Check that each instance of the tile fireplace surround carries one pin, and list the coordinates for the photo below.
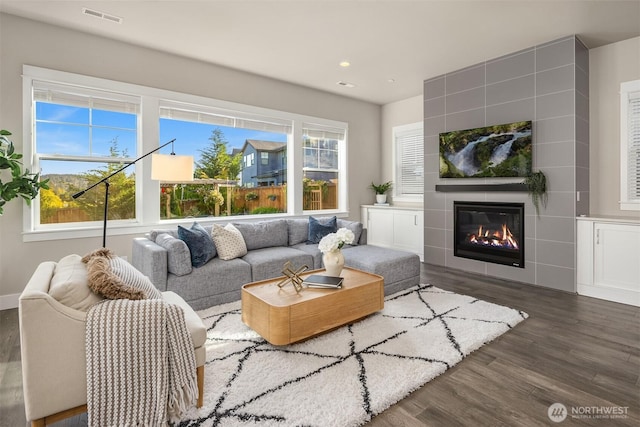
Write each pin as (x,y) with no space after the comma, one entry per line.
(548,84)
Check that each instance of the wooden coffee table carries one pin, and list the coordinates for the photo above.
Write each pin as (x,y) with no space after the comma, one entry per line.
(282,316)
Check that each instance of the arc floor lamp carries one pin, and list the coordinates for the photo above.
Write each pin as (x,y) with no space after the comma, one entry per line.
(164,167)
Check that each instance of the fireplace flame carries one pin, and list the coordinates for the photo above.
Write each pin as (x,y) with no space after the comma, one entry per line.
(498,238)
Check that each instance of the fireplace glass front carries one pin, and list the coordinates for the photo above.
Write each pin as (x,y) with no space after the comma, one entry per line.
(491,232)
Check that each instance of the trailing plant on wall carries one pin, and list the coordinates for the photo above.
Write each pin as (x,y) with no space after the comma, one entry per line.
(536,184)
(22,183)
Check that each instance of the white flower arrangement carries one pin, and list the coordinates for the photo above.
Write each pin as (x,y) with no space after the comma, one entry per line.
(334,241)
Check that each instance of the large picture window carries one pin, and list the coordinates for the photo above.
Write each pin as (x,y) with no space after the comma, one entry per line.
(228,181)
(83,128)
(80,137)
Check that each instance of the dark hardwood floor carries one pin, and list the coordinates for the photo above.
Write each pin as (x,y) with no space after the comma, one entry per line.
(578,351)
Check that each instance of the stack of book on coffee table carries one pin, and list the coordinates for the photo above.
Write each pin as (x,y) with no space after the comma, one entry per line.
(321,281)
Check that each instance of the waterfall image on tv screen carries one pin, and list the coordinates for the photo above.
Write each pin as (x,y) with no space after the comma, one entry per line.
(492,151)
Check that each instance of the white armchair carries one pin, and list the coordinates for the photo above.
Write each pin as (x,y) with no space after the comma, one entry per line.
(52,338)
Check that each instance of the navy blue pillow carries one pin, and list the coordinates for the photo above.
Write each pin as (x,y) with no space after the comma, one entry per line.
(199,242)
(320,228)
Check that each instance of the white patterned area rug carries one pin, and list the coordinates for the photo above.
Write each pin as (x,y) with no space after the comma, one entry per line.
(347,376)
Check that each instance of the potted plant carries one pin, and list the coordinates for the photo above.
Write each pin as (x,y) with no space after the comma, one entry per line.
(22,183)
(536,184)
(381,191)
(251,195)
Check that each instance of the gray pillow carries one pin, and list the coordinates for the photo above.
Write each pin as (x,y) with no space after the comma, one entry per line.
(354,226)
(153,234)
(200,244)
(318,228)
(178,255)
(264,234)
(298,230)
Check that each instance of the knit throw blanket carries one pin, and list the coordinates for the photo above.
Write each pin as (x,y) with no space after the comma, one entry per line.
(140,363)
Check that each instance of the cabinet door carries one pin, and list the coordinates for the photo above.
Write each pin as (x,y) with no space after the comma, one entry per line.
(617,256)
(408,231)
(380,227)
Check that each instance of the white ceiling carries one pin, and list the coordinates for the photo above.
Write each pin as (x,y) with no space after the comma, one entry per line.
(303,41)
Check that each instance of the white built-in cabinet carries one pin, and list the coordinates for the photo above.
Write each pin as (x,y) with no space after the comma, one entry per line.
(395,227)
(608,259)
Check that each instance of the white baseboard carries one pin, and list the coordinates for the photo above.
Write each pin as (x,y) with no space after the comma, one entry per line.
(9,301)
(623,296)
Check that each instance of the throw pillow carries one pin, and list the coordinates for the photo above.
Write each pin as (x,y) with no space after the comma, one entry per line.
(70,284)
(178,255)
(298,230)
(114,278)
(229,242)
(354,226)
(199,242)
(153,234)
(318,228)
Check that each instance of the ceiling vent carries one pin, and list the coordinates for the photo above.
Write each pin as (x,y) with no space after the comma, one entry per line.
(102,15)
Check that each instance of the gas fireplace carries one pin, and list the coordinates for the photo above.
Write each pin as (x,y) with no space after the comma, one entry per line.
(491,232)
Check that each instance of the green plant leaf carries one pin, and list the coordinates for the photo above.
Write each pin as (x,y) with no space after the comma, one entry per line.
(23,183)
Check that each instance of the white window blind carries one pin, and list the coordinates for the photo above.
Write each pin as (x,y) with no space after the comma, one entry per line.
(215,116)
(409,143)
(85,98)
(630,145)
(323,132)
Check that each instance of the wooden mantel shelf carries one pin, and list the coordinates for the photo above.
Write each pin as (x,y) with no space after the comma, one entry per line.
(457,188)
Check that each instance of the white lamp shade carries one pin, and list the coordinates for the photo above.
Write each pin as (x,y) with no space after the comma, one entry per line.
(170,167)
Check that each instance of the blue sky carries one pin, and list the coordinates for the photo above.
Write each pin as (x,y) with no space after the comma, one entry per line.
(63,130)
(191,137)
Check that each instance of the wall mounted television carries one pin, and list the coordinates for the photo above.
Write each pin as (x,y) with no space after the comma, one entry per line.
(486,152)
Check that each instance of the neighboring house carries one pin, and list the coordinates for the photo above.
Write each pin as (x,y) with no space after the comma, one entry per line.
(264,163)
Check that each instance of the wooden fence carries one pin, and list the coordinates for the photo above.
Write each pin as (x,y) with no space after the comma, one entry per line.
(273,198)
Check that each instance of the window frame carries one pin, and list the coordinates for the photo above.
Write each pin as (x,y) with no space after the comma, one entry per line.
(147,190)
(396,133)
(627,90)
(132,105)
(319,130)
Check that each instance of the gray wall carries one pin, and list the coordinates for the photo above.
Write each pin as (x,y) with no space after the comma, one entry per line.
(548,84)
(29,42)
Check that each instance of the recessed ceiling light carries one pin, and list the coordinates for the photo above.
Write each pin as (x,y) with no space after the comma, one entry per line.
(345,84)
(345,64)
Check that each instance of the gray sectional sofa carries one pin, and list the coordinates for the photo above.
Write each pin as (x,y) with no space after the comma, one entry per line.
(165,259)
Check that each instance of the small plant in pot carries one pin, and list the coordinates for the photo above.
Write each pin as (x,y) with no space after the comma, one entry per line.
(381,191)
(21,183)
